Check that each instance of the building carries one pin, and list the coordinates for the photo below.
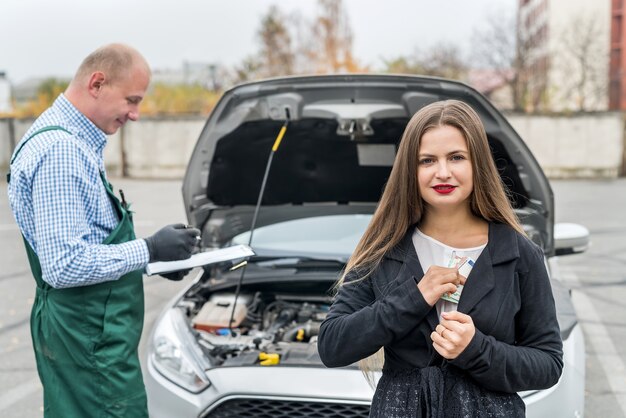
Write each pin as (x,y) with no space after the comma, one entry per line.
(564,49)
(617,64)
(200,73)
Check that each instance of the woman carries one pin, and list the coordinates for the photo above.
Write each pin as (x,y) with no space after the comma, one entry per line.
(444,211)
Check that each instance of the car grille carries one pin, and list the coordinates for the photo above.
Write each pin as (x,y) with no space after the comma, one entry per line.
(272,408)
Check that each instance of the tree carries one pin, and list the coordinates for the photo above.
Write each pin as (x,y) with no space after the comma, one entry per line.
(444,60)
(51,88)
(500,45)
(331,47)
(583,63)
(295,45)
(47,92)
(249,69)
(276,56)
(403,65)
(178,99)
(440,60)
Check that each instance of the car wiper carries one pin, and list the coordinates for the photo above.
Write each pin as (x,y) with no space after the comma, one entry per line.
(297,262)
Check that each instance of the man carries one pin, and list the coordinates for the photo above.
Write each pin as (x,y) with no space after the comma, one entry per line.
(88,311)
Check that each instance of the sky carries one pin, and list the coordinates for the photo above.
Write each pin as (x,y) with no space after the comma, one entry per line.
(44,38)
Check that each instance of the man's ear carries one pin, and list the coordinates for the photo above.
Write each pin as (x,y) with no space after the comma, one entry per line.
(95,83)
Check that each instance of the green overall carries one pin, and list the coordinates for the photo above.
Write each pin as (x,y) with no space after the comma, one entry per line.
(86,338)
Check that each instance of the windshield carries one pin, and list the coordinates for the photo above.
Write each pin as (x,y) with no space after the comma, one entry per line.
(335,234)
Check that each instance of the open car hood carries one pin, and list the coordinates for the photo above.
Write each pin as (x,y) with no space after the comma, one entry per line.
(337,152)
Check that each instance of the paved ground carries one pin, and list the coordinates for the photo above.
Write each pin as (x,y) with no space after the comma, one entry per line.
(598,278)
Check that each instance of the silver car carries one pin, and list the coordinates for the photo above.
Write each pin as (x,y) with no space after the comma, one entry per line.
(241,341)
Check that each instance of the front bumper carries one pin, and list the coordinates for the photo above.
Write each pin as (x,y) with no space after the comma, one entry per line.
(291,386)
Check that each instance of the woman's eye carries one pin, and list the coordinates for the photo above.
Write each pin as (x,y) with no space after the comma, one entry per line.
(458,157)
(426,161)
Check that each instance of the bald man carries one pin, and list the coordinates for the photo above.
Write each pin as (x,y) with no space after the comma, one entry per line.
(88,311)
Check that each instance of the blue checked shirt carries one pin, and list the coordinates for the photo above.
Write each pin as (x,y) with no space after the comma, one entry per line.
(61,205)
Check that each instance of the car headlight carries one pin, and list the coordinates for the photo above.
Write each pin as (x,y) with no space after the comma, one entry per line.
(176,355)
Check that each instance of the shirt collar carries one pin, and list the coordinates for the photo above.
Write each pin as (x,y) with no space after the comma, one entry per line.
(80,125)
(502,244)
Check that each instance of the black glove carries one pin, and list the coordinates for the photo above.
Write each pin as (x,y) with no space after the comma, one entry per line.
(173,242)
(176,276)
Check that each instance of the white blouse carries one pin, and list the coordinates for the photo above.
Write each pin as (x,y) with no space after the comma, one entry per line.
(432,252)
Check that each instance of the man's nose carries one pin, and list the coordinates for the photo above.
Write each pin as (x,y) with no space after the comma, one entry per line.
(133,115)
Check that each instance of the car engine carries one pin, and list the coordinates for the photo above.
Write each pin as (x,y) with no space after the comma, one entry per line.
(266,329)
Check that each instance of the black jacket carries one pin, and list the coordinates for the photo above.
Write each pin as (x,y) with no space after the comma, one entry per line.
(517,345)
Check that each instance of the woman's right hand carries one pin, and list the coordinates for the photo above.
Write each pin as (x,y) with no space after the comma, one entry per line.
(437,281)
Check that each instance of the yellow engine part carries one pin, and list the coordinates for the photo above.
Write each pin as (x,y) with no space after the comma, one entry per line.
(300,335)
(269,359)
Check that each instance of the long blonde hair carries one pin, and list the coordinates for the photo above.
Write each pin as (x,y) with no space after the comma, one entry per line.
(401,204)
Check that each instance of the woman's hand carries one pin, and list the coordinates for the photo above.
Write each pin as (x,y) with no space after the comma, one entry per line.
(453,334)
(437,281)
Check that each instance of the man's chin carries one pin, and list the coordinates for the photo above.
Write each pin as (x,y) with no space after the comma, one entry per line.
(113,128)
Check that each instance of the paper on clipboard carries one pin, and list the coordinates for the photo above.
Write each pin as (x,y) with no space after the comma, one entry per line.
(200,259)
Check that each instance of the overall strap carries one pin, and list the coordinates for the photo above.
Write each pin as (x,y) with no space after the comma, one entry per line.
(40,131)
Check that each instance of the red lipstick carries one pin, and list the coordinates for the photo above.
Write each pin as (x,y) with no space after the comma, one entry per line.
(444,188)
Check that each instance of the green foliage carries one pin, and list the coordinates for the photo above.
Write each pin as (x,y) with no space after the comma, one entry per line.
(51,88)
(440,60)
(161,99)
(47,92)
(403,65)
(179,99)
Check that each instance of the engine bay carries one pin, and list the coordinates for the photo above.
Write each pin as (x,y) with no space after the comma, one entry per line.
(267,328)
